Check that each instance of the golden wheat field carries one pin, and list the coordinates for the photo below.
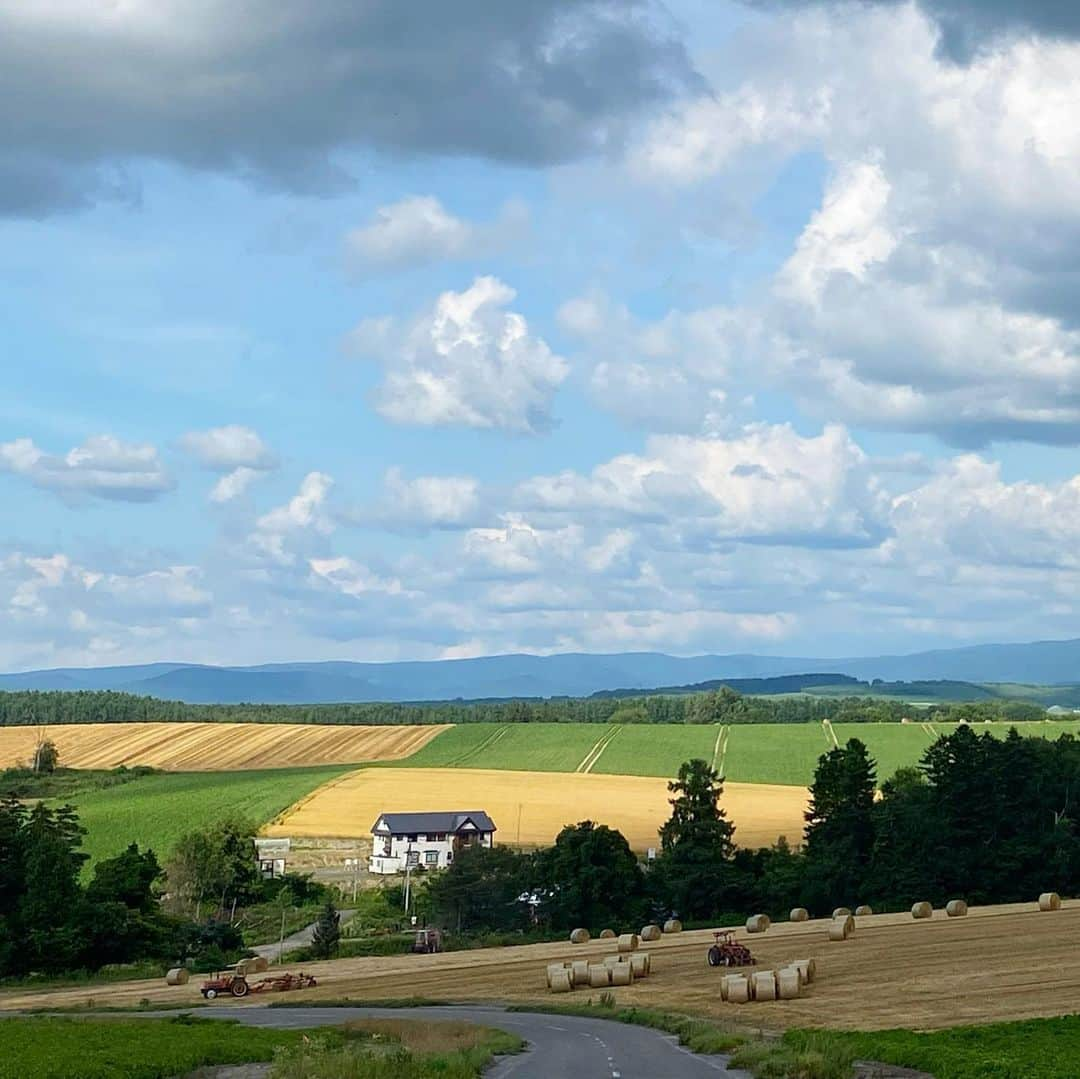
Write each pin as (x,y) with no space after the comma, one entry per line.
(999,963)
(214,747)
(529,808)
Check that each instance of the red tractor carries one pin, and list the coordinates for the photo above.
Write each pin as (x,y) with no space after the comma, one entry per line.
(427,942)
(728,952)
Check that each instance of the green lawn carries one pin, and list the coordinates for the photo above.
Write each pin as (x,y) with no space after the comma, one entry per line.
(155,810)
(1033,1049)
(642,750)
(60,1048)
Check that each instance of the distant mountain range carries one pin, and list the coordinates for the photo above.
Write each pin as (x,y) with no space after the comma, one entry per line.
(571,674)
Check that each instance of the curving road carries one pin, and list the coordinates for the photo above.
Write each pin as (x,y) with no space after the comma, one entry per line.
(560,1046)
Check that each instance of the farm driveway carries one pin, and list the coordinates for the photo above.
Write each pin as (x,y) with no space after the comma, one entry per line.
(560,1046)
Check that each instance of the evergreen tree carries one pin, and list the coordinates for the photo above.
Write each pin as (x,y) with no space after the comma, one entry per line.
(327,932)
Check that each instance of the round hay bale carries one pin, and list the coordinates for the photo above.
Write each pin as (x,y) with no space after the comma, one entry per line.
(956,908)
(757,923)
(579,972)
(673,925)
(650,932)
(247,966)
(841,912)
(799,914)
(561,981)
(177,976)
(738,989)
(840,929)
(607,934)
(922,910)
(640,963)
(628,943)
(806,967)
(262,964)
(580,936)
(611,960)
(599,976)
(763,985)
(622,974)
(788,984)
(863,911)
(798,970)
(558,968)
(1049,901)
(905,720)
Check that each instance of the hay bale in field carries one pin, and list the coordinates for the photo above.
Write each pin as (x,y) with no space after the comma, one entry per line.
(863,911)
(757,923)
(922,910)
(841,928)
(798,970)
(956,908)
(177,976)
(599,976)
(650,932)
(799,914)
(557,968)
(611,960)
(639,961)
(607,934)
(628,943)
(1049,901)
(788,984)
(763,985)
(262,964)
(580,936)
(622,974)
(579,972)
(247,966)
(807,967)
(561,981)
(738,989)
(841,912)
(673,925)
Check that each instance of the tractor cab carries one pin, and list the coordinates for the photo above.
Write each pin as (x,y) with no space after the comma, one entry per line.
(728,952)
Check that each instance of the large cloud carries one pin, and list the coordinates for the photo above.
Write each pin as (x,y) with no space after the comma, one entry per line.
(102,467)
(467,363)
(85,87)
(238,454)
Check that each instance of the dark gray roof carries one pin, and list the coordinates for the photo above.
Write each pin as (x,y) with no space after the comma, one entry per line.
(409,823)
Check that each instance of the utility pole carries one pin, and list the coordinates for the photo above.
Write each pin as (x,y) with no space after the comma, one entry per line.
(408,875)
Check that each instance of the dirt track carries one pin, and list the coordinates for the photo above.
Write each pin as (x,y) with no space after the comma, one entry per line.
(215,747)
(1009,962)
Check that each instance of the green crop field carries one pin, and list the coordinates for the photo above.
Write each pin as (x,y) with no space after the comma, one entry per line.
(775,752)
(155,810)
(656,751)
(892,745)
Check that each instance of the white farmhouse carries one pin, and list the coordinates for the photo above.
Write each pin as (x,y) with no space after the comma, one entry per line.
(426,839)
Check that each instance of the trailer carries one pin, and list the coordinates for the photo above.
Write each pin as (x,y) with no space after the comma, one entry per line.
(232,983)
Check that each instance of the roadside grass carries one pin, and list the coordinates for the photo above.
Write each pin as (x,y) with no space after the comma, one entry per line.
(398,1049)
(156,810)
(1029,1049)
(60,1048)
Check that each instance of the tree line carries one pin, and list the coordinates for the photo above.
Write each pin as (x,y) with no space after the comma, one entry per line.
(984,819)
(724,705)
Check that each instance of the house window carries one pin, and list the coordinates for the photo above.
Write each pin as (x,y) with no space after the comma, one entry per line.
(431,857)
(437,837)
(411,838)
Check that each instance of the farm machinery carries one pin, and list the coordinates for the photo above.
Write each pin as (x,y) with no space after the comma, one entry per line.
(427,942)
(728,952)
(234,983)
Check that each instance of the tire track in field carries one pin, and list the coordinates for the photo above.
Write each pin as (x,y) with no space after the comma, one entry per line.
(830,734)
(719,752)
(483,747)
(590,758)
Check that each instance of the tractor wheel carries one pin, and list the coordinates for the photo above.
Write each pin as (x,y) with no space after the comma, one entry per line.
(209,993)
(715,956)
(239,987)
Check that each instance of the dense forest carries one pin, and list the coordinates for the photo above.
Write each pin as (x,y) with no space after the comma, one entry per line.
(723,705)
(984,819)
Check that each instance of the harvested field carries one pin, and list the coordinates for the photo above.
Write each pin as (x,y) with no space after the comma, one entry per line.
(893,973)
(530,808)
(215,747)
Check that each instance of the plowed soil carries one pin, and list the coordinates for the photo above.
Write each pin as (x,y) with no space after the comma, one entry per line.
(999,963)
(214,747)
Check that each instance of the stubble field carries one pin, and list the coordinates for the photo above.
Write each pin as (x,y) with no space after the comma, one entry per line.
(214,747)
(530,808)
(999,963)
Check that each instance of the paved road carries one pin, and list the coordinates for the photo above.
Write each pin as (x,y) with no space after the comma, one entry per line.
(560,1046)
(300,939)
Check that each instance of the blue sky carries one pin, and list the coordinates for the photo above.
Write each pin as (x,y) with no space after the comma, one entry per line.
(698,327)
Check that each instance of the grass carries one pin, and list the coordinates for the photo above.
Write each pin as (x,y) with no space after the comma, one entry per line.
(1032,1049)
(892,745)
(155,810)
(398,1049)
(529,747)
(775,753)
(637,751)
(58,1048)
